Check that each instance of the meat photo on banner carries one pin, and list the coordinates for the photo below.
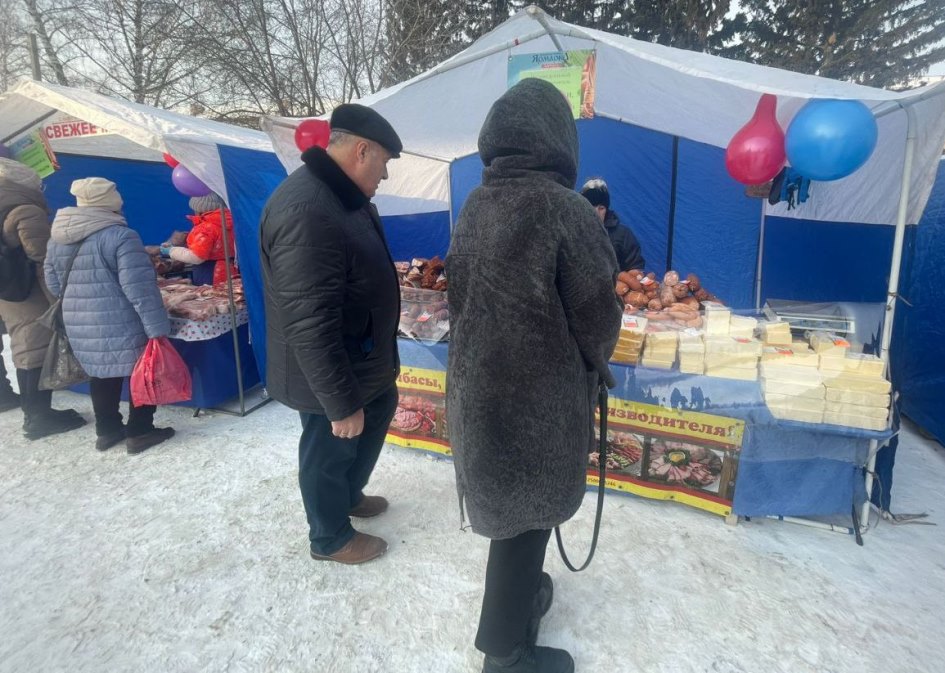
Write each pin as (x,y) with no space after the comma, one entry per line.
(666,454)
(420,419)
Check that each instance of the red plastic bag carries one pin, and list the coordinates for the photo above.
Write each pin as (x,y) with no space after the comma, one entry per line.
(160,376)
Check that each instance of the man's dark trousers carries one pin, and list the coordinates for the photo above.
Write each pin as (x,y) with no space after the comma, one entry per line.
(333,471)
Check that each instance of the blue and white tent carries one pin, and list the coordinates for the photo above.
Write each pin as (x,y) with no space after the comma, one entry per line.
(663,118)
(126,146)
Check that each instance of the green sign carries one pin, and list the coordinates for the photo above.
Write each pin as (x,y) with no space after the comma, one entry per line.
(33,151)
(574,73)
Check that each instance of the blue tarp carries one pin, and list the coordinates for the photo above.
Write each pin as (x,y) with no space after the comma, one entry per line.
(784,468)
(142,185)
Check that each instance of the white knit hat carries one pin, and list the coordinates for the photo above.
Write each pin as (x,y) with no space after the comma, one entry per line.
(96,193)
(21,174)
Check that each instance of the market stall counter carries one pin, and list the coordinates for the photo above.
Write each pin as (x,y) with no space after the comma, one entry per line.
(706,441)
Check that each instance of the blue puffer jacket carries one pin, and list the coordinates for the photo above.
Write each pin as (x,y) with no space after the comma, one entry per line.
(112,304)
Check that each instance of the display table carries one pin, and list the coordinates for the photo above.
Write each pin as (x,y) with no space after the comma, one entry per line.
(708,442)
(204,330)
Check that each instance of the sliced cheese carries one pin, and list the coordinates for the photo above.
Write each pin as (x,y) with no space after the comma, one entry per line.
(874,413)
(732,373)
(855,421)
(657,364)
(794,403)
(790,356)
(825,342)
(791,414)
(879,400)
(858,384)
(810,390)
(791,373)
(854,363)
(731,360)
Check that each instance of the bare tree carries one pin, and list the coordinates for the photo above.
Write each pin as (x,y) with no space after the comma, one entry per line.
(132,48)
(46,19)
(14,60)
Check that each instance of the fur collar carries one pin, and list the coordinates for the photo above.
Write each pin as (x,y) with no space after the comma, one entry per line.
(325,169)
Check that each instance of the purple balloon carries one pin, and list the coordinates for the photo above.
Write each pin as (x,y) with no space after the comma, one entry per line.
(4,152)
(188,183)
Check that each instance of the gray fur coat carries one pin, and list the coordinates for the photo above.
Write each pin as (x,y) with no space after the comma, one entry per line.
(533,321)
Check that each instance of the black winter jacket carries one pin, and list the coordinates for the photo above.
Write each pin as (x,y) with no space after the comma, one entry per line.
(332,297)
(626,245)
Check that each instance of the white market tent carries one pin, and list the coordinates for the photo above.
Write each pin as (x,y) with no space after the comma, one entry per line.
(687,95)
(131,139)
(139,131)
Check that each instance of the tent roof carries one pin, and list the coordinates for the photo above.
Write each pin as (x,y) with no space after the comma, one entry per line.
(189,139)
(697,96)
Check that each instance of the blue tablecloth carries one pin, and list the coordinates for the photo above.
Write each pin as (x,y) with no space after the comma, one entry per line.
(786,468)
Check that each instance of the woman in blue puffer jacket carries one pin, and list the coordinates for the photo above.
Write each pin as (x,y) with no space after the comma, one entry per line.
(112,306)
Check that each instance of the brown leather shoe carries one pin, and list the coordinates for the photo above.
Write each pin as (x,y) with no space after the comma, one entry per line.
(360,549)
(370,505)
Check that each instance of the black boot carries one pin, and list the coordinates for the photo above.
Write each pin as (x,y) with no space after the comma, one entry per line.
(543,599)
(8,398)
(530,659)
(39,418)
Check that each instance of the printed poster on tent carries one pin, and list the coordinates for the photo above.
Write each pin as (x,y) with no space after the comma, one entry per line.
(669,454)
(34,151)
(574,73)
(420,419)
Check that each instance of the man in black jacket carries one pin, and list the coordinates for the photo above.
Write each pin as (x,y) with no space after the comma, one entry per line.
(625,244)
(332,309)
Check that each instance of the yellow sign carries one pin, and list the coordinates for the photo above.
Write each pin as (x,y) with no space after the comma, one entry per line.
(705,428)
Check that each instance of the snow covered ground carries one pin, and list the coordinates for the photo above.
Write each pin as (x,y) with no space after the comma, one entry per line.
(193,557)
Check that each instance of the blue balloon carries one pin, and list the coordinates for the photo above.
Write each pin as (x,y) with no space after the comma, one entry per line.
(4,152)
(830,139)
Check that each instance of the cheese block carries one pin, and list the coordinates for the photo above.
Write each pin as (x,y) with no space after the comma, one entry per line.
(859,384)
(692,368)
(794,403)
(732,373)
(742,326)
(731,344)
(855,421)
(691,343)
(879,400)
(717,318)
(791,373)
(874,413)
(827,342)
(776,333)
(790,356)
(657,364)
(790,414)
(634,323)
(731,360)
(854,363)
(807,390)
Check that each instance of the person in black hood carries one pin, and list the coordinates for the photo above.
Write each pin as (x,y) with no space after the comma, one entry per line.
(626,245)
(332,310)
(526,355)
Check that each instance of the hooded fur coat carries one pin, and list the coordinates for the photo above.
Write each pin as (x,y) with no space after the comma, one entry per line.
(533,321)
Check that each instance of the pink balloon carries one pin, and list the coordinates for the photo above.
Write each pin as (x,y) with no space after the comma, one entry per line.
(311,133)
(756,153)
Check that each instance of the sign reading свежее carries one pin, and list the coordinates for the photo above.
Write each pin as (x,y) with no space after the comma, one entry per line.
(73,129)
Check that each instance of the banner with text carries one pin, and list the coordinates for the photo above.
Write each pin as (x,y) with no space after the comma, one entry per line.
(574,73)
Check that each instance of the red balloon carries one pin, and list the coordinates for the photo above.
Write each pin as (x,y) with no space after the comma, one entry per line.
(756,153)
(170,161)
(312,132)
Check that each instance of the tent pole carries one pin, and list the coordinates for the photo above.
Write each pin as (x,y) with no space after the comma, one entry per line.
(761,255)
(538,14)
(671,233)
(892,294)
(233,325)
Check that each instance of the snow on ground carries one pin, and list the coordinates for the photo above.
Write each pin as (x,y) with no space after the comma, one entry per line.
(193,557)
